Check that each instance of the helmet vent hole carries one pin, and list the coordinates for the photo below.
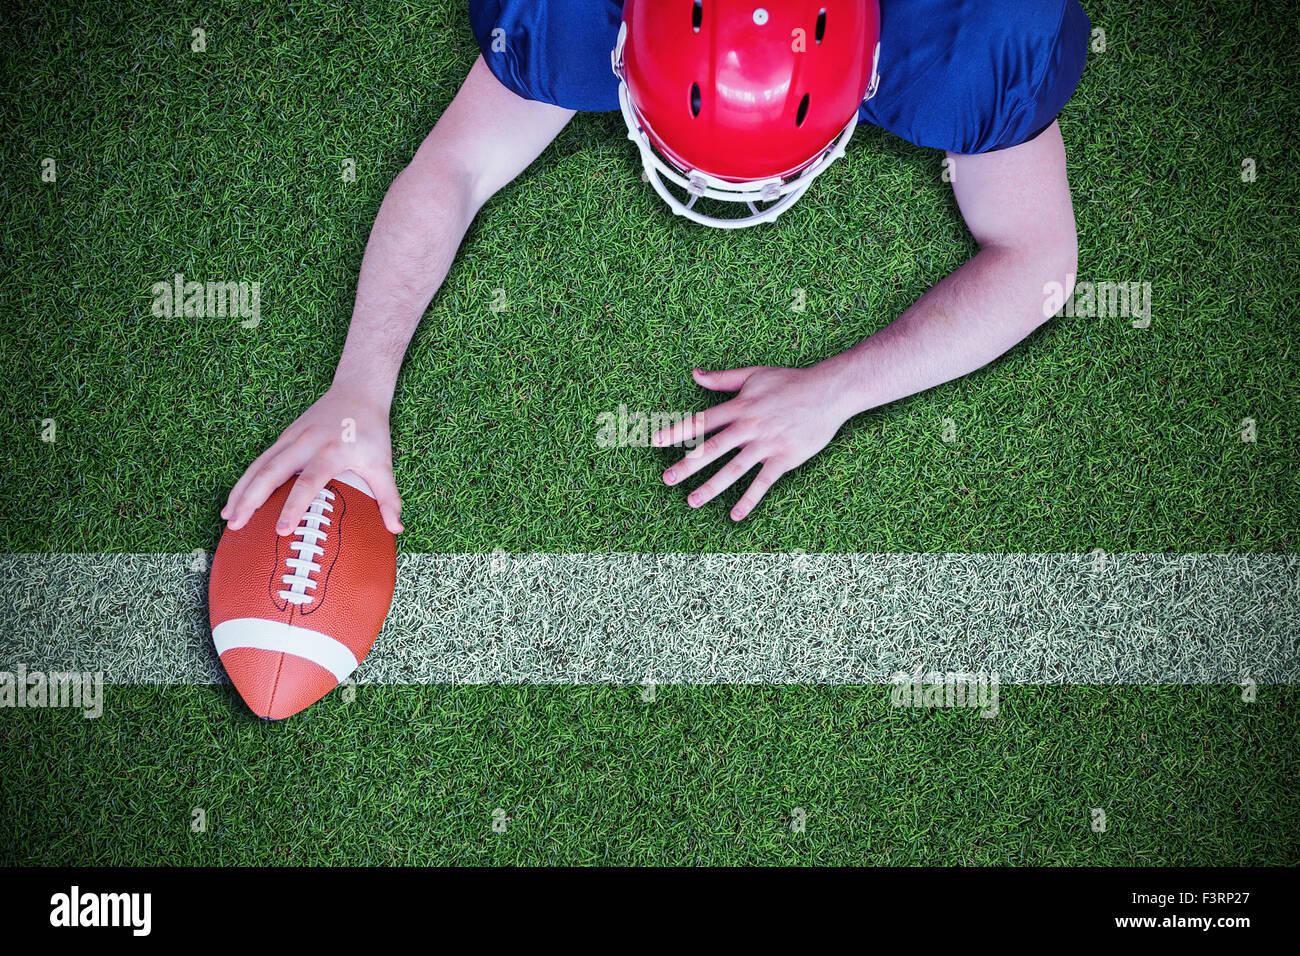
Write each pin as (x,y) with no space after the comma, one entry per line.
(803,111)
(695,100)
(697,16)
(821,24)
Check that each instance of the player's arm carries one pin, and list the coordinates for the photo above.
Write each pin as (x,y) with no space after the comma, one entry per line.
(1016,203)
(483,140)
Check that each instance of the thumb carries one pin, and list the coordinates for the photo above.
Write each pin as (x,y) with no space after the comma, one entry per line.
(381,482)
(731,380)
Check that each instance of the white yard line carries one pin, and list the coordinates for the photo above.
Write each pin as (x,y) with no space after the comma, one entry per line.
(708,618)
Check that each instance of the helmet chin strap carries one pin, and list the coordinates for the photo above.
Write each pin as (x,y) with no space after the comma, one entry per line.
(782,194)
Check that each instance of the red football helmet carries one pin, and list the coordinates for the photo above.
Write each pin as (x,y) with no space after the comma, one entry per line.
(746,102)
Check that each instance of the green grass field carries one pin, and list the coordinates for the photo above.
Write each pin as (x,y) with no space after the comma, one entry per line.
(225,165)
(1184,775)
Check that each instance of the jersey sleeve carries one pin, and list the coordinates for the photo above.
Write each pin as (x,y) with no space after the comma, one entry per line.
(973,77)
(552,51)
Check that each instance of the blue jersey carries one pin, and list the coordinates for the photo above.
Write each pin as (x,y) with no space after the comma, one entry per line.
(968,76)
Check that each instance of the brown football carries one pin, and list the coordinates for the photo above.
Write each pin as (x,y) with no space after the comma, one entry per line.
(293,616)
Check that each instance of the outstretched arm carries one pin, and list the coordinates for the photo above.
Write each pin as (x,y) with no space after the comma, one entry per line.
(483,140)
(486,137)
(1016,203)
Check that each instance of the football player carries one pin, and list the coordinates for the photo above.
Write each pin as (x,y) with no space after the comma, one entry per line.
(735,108)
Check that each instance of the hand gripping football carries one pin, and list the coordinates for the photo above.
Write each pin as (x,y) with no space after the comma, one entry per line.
(293,616)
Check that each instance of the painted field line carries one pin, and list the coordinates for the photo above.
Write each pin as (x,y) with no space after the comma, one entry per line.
(710,618)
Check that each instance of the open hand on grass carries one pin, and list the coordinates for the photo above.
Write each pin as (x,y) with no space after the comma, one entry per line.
(344,430)
(780,418)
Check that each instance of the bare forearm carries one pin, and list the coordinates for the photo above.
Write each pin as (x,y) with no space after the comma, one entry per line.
(420,225)
(966,321)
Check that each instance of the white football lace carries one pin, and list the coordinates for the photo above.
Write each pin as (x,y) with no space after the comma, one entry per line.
(312,537)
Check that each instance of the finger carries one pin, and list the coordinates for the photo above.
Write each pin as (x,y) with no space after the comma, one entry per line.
(724,479)
(241,486)
(694,426)
(764,480)
(729,380)
(271,476)
(305,489)
(708,451)
(384,486)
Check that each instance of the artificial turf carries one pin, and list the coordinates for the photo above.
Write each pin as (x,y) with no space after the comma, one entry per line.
(226,165)
(707,775)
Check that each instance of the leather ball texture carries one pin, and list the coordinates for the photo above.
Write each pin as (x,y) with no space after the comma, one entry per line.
(292,616)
